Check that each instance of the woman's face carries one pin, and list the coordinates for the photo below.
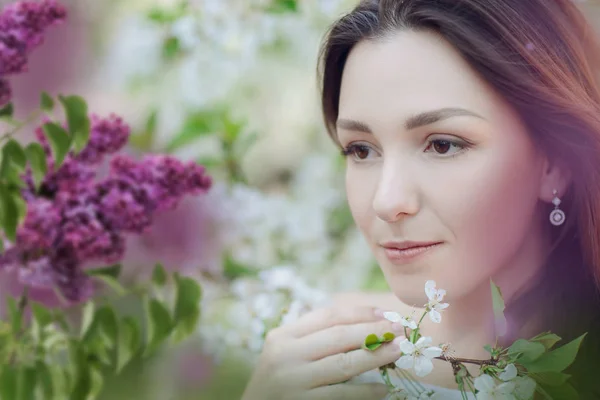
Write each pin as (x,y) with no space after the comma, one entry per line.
(440,163)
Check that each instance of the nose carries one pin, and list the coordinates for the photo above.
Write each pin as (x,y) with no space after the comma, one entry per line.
(396,196)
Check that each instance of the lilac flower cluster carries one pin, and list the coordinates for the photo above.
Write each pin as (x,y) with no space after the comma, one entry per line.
(22,25)
(75,218)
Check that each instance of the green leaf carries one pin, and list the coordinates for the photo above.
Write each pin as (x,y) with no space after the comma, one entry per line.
(197,125)
(15,152)
(37,161)
(233,270)
(171,48)
(283,6)
(15,316)
(96,383)
(167,16)
(41,314)
(562,392)
(46,102)
(114,271)
(159,276)
(60,142)
(45,381)
(26,382)
(87,317)
(547,339)
(109,325)
(113,284)
(109,276)
(159,324)
(187,306)
(7,111)
(498,306)
(550,378)
(82,378)
(526,351)
(129,342)
(371,342)
(557,360)
(77,120)
(387,337)
(8,382)
(9,212)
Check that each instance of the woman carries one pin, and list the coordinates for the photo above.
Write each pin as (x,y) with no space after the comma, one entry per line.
(472,135)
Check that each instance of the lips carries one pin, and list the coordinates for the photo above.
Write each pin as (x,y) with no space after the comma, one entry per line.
(406,245)
(407,251)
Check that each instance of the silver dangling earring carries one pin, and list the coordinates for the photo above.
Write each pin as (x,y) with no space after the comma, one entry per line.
(557,216)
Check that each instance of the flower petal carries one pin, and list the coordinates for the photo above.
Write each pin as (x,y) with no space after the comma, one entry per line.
(506,388)
(407,347)
(423,366)
(409,323)
(432,352)
(435,316)
(509,373)
(440,294)
(525,387)
(405,362)
(430,289)
(424,341)
(441,306)
(484,383)
(392,316)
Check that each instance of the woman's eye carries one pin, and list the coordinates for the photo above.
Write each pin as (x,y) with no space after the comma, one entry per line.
(445,147)
(358,151)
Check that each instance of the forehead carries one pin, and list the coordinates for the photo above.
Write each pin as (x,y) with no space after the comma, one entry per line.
(409,72)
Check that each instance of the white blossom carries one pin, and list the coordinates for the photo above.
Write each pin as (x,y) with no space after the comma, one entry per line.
(418,355)
(435,297)
(524,387)
(488,389)
(510,372)
(393,316)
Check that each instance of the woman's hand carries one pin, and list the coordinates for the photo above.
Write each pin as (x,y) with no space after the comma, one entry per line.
(311,357)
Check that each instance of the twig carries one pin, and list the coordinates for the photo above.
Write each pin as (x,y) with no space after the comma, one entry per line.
(455,360)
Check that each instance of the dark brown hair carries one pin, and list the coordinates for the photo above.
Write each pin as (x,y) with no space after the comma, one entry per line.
(540,55)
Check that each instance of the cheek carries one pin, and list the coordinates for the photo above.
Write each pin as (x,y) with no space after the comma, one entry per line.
(361,184)
(492,207)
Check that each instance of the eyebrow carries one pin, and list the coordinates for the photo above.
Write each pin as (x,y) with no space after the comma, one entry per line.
(413,122)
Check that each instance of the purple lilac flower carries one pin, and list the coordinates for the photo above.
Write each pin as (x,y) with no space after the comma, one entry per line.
(76,219)
(22,25)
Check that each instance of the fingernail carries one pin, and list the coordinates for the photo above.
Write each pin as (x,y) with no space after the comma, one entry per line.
(397,327)
(379,312)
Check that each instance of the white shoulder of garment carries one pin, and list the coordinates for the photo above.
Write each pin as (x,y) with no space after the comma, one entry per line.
(440,393)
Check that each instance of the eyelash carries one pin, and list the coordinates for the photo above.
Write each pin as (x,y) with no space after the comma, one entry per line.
(461,144)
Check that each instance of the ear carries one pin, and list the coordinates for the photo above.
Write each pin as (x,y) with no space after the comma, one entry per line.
(554,177)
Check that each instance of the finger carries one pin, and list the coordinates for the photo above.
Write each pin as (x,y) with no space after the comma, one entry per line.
(348,391)
(323,318)
(341,339)
(344,366)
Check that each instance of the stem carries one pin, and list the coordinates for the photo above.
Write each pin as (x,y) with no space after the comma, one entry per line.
(23,299)
(386,378)
(406,376)
(455,360)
